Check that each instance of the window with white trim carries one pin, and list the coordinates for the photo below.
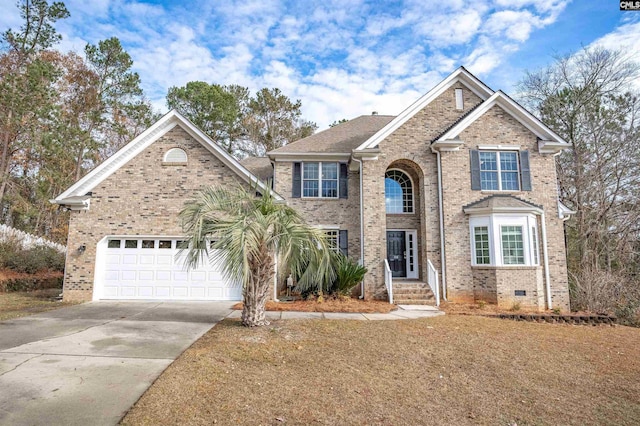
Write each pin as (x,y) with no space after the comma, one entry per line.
(398,192)
(512,245)
(333,239)
(481,239)
(504,240)
(499,171)
(320,180)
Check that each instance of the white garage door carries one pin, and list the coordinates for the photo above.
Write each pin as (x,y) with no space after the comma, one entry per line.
(148,268)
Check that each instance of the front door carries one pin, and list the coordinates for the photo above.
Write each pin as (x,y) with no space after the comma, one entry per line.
(396,247)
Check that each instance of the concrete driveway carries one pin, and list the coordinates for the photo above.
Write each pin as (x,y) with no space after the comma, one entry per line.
(88,364)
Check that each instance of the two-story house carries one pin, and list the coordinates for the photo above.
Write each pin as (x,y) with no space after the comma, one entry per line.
(455,196)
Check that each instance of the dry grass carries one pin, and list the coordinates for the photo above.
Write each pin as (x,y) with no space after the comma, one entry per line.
(445,370)
(330,305)
(19,304)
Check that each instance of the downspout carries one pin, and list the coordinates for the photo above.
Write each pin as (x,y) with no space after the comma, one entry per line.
(275,281)
(443,268)
(361,227)
(547,278)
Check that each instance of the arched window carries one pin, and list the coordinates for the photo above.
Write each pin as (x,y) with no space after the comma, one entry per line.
(398,192)
(175,155)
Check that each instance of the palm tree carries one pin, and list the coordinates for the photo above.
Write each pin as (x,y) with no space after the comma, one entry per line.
(247,234)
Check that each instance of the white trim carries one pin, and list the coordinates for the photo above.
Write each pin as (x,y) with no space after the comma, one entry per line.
(499,172)
(144,140)
(443,257)
(545,258)
(320,180)
(460,75)
(498,148)
(459,99)
(516,111)
(170,150)
(413,209)
(494,223)
(564,212)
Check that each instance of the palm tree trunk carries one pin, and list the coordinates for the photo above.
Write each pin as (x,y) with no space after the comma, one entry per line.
(256,292)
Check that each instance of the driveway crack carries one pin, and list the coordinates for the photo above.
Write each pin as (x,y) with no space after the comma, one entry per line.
(23,362)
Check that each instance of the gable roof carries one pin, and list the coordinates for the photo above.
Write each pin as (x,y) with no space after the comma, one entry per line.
(501,203)
(77,194)
(339,139)
(513,108)
(460,75)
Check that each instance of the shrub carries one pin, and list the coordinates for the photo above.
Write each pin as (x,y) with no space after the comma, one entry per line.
(30,284)
(348,275)
(39,258)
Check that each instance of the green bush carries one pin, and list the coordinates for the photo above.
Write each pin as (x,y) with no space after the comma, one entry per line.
(33,260)
(348,275)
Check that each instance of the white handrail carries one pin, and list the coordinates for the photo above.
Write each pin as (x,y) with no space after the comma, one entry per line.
(388,280)
(432,280)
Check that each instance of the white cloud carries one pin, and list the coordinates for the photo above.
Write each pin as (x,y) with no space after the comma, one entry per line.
(342,58)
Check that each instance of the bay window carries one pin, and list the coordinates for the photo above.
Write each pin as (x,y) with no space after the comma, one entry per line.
(504,240)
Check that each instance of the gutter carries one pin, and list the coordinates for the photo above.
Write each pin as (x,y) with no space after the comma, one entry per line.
(547,278)
(443,261)
(361,226)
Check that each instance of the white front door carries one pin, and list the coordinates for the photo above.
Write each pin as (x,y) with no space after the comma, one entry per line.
(152,269)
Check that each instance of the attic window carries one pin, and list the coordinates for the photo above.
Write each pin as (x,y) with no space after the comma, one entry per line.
(175,155)
(459,99)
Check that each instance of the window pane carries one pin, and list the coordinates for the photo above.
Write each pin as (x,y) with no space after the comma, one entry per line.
(148,244)
(114,244)
(481,238)
(489,181)
(508,161)
(182,244)
(310,188)
(164,244)
(330,188)
(329,171)
(332,240)
(398,192)
(512,245)
(510,181)
(131,244)
(488,161)
(310,171)
(393,196)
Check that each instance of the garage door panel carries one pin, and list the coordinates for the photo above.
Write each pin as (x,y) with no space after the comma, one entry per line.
(152,268)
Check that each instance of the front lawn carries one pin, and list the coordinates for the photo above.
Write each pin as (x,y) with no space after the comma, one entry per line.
(19,304)
(443,370)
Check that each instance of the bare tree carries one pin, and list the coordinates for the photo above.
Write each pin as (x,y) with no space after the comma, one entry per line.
(588,98)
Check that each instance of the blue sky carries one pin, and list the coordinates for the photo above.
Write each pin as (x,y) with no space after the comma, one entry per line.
(341,58)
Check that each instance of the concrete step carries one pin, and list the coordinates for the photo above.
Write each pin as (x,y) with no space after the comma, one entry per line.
(414,302)
(412,296)
(402,290)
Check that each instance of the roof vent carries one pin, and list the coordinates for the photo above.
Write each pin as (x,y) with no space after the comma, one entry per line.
(374,113)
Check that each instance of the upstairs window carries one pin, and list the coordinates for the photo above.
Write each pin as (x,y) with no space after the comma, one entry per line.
(398,192)
(500,170)
(313,179)
(175,155)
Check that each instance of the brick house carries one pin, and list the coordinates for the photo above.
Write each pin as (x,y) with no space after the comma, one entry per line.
(454,199)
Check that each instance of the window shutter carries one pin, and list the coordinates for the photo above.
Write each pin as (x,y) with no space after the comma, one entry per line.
(296,182)
(525,171)
(344,181)
(475,170)
(344,241)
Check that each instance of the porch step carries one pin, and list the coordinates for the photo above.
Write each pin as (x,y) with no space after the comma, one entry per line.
(412,293)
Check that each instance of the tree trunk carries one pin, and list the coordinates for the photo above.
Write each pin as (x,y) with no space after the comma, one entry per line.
(256,291)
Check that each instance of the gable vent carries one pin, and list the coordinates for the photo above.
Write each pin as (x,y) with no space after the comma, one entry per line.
(175,155)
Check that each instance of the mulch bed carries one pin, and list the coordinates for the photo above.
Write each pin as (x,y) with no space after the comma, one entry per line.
(330,305)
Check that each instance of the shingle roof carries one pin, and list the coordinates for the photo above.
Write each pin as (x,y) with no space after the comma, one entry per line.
(455,123)
(501,201)
(259,166)
(342,138)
